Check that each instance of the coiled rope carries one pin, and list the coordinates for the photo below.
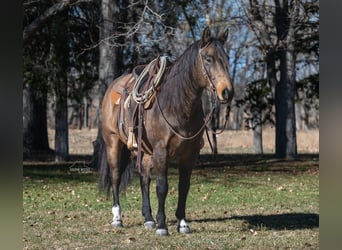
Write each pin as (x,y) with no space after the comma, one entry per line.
(144,96)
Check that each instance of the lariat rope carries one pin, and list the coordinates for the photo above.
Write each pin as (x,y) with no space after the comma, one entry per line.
(143,97)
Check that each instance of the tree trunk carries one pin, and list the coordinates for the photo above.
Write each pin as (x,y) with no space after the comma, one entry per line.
(107,69)
(85,112)
(286,144)
(257,134)
(35,134)
(285,91)
(61,122)
(285,13)
(257,140)
(59,49)
(236,116)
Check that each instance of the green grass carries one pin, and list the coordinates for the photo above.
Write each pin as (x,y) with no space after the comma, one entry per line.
(260,203)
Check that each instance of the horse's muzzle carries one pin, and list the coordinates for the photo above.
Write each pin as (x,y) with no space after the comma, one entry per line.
(227,95)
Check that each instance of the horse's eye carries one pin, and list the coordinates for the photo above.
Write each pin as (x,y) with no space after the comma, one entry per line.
(208,59)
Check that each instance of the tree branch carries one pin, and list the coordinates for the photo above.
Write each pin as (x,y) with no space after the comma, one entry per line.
(257,24)
(46,16)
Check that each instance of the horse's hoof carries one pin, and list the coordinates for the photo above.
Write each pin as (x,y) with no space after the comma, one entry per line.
(162,232)
(183,227)
(117,223)
(149,224)
(184,230)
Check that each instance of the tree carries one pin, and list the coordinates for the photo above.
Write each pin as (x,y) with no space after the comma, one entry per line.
(307,49)
(35,136)
(51,58)
(274,24)
(35,86)
(60,64)
(108,66)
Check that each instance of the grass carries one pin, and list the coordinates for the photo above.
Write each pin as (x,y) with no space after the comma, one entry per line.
(235,202)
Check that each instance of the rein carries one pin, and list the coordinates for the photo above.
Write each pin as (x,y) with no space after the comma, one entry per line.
(225,121)
(212,90)
(205,124)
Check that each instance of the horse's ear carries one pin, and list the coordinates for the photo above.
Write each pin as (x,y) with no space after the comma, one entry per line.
(223,35)
(205,36)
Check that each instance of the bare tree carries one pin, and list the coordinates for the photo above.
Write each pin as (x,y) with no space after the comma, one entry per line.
(108,67)
(59,64)
(273,23)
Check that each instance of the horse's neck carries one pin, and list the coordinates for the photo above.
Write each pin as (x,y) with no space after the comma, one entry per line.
(182,93)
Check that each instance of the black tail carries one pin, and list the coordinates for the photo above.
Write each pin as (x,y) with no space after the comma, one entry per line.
(126,170)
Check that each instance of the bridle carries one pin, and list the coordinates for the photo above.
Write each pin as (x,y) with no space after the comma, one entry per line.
(211,86)
(212,91)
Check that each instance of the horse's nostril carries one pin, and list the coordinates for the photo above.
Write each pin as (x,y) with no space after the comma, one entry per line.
(227,95)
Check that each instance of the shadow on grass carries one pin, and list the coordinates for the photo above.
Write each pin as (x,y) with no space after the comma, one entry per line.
(258,162)
(282,221)
(44,166)
(246,159)
(288,221)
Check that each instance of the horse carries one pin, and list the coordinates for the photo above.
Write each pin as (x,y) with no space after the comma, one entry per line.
(171,130)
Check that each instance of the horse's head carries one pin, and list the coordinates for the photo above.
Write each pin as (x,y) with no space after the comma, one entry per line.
(215,65)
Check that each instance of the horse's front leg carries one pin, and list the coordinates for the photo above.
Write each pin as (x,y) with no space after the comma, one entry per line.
(160,166)
(185,170)
(145,180)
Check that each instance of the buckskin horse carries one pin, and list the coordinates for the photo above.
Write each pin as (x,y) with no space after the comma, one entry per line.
(169,128)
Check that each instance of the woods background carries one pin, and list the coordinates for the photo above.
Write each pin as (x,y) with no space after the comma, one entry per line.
(73,49)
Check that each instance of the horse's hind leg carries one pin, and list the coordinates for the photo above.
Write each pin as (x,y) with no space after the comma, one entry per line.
(145,180)
(114,149)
